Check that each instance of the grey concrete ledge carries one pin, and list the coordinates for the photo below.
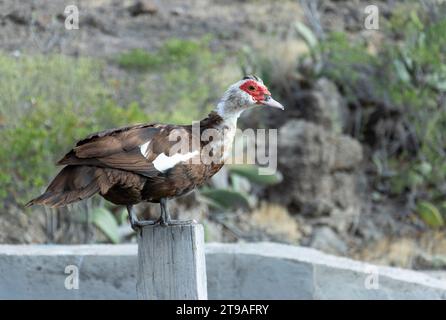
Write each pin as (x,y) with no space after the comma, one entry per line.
(234,271)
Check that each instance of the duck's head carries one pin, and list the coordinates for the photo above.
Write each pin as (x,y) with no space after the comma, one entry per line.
(244,94)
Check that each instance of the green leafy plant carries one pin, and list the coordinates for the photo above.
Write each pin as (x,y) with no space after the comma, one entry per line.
(241,177)
(105,221)
(430,214)
(251,172)
(226,198)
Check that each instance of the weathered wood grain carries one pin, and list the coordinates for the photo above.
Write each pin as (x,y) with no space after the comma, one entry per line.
(171,263)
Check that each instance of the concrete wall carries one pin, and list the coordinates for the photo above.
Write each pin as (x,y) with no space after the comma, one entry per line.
(234,271)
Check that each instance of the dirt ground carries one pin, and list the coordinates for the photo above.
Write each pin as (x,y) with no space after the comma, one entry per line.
(107,27)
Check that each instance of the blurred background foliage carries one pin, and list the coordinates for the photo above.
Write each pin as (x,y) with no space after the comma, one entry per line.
(48,102)
(392,81)
(395,89)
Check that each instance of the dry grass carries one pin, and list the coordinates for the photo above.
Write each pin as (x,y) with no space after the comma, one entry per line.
(405,252)
(276,221)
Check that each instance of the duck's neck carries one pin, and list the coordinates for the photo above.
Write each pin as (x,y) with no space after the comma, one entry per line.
(228,113)
(226,123)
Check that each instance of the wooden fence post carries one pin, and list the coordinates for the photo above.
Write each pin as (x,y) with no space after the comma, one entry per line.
(171,263)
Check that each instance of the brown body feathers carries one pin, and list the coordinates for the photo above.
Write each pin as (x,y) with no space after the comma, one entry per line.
(119,165)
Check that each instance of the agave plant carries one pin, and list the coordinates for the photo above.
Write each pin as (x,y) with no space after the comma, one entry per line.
(237,193)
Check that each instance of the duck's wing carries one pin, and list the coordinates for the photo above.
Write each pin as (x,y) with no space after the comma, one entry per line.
(132,148)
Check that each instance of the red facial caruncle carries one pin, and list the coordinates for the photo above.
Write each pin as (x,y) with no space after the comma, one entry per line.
(256,90)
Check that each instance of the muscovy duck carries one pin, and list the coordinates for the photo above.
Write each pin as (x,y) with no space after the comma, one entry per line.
(143,162)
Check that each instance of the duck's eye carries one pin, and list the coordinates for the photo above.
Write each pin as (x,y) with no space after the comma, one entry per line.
(251,88)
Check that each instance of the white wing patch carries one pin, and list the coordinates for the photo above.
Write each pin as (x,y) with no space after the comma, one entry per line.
(143,148)
(163,162)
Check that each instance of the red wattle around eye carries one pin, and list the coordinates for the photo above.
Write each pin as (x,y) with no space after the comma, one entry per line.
(255,90)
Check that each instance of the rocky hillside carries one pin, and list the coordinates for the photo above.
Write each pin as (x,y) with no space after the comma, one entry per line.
(340,142)
(108,27)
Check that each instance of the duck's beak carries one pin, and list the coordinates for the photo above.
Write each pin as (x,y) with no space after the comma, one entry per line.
(270,102)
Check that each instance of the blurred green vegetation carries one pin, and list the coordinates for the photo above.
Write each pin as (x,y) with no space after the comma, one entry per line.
(395,88)
(238,194)
(49,102)
(403,87)
(174,52)
(179,82)
(46,103)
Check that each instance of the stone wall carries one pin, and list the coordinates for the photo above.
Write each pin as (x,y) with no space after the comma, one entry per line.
(234,271)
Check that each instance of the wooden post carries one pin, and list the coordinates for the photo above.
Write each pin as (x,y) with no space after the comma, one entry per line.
(171,263)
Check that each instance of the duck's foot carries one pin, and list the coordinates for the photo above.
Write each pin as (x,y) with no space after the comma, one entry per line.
(165,219)
(137,225)
(169,222)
